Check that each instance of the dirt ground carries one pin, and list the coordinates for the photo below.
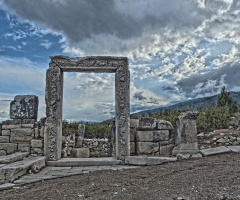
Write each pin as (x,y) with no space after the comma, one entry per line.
(214,177)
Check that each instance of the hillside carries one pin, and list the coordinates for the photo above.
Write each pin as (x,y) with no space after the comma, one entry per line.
(190,104)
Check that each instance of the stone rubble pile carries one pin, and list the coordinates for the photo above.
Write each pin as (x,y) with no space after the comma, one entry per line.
(224,137)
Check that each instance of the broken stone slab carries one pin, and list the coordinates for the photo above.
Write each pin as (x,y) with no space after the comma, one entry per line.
(147,123)
(12,171)
(80,153)
(13,157)
(73,162)
(164,125)
(21,135)
(147,147)
(24,107)
(213,151)
(6,186)
(235,149)
(160,160)
(152,136)
(8,147)
(144,160)
(4,139)
(135,160)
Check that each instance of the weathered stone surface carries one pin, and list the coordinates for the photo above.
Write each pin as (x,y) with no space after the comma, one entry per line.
(27,125)
(235,149)
(24,147)
(11,126)
(134,123)
(54,88)
(13,157)
(132,148)
(4,139)
(36,143)
(22,135)
(28,121)
(79,153)
(8,147)
(213,151)
(24,107)
(38,151)
(0,129)
(5,132)
(135,160)
(160,160)
(12,122)
(166,149)
(80,135)
(164,125)
(3,153)
(186,134)
(147,147)
(152,136)
(147,123)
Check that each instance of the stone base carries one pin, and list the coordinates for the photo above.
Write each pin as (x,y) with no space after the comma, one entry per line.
(190,148)
(79,153)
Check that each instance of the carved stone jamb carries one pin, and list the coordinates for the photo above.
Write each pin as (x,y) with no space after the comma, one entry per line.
(186,133)
(53,125)
(54,90)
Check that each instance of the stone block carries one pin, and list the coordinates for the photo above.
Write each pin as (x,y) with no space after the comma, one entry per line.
(12,122)
(3,153)
(152,136)
(133,133)
(235,149)
(27,125)
(22,135)
(8,147)
(160,160)
(24,147)
(4,139)
(213,151)
(37,150)
(132,148)
(28,121)
(36,132)
(147,123)
(79,153)
(6,132)
(135,160)
(134,123)
(36,143)
(42,132)
(147,147)
(166,149)
(24,107)
(164,125)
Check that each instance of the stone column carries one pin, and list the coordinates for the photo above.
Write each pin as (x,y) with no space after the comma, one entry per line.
(53,125)
(186,134)
(122,99)
(80,135)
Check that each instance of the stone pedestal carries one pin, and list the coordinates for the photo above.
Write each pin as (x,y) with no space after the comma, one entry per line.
(186,134)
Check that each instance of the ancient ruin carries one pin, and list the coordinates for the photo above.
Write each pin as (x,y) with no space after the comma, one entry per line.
(54,96)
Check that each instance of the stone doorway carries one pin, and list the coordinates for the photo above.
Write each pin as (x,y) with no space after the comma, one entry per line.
(54,99)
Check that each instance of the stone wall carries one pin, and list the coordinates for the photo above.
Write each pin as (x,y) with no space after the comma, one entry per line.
(224,137)
(150,136)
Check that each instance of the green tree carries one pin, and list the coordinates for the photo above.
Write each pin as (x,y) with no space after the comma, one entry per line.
(224,99)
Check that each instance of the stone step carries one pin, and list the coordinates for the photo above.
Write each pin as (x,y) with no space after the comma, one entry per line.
(12,171)
(13,157)
(73,162)
(214,151)
(144,160)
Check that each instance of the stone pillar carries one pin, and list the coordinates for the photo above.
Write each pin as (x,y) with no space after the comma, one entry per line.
(122,99)
(53,125)
(80,135)
(186,134)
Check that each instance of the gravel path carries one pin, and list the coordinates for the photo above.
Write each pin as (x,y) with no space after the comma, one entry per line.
(213,177)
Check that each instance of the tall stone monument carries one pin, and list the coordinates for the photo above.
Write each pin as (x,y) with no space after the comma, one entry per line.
(186,134)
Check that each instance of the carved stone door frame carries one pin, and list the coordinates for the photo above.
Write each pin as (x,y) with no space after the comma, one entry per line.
(54,99)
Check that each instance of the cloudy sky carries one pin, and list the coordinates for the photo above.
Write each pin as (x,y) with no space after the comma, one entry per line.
(177,50)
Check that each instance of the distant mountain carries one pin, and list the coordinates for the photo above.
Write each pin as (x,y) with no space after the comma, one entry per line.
(190,104)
